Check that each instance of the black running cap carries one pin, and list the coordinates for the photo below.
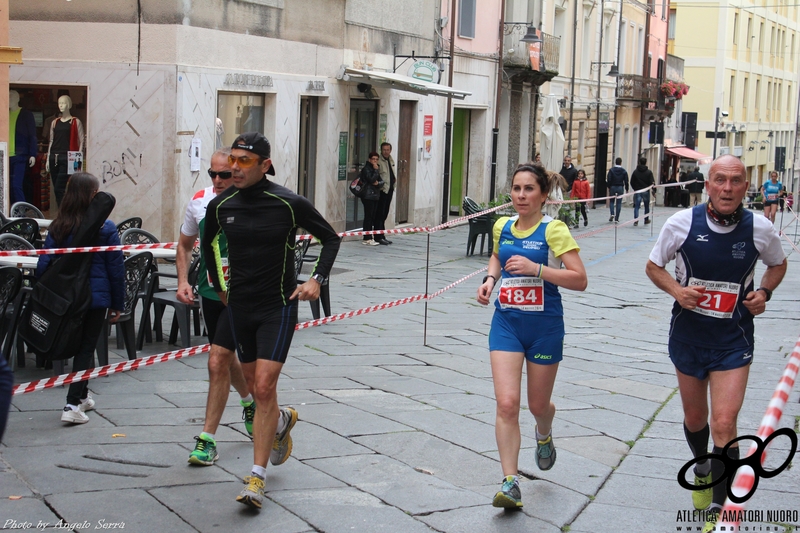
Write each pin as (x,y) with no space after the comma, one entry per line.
(258,144)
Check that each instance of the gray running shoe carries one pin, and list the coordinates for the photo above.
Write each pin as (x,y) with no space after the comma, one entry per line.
(509,496)
(545,453)
(282,445)
(253,493)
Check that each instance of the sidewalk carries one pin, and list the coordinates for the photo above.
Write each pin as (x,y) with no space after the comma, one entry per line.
(396,435)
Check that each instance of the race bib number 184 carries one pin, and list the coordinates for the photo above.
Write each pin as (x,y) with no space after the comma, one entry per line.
(719,298)
(524,294)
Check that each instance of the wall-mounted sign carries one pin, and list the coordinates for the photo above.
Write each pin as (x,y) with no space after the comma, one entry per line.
(316,86)
(427,128)
(383,122)
(248,80)
(602,126)
(194,155)
(427,137)
(425,71)
(342,156)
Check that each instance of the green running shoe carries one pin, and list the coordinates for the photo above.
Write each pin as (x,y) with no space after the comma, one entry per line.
(509,496)
(248,413)
(205,452)
(545,453)
(702,498)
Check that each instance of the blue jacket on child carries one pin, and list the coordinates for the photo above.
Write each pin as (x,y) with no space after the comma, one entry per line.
(107,276)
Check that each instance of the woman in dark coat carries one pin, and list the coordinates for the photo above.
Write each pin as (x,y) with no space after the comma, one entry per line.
(107,280)
(372,181)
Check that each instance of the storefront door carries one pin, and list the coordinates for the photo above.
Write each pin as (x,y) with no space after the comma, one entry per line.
(306,166)
(459,171)
(402,161)
(363,140)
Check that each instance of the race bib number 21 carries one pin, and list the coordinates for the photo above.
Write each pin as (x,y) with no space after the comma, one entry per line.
(718,300)
(524,294)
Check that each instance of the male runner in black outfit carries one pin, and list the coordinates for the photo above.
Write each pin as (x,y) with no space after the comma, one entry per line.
(260,220)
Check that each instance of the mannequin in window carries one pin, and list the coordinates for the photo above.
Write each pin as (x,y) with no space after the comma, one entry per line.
(22,145)
(66,135)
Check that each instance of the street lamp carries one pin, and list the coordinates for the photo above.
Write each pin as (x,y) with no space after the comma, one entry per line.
(716,129)
(531,37)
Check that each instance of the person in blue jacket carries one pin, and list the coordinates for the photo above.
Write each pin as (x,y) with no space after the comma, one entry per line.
(107,280)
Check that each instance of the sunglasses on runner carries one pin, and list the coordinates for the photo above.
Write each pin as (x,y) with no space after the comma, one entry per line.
(223,175)
(244,161)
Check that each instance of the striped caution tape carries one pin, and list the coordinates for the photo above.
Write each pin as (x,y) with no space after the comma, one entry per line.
(107,370)
(745,479)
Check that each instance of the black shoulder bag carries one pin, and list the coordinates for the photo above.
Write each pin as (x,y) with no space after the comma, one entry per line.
(52,321)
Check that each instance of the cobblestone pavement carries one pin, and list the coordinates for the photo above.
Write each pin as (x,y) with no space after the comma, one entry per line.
(397,412)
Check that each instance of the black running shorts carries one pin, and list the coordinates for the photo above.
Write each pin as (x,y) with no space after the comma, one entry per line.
(264,334)
(218,323)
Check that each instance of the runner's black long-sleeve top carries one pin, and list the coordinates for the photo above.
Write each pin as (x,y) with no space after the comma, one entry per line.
(260,224)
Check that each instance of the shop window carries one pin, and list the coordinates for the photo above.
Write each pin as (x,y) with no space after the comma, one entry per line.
(238,113)
(466,18)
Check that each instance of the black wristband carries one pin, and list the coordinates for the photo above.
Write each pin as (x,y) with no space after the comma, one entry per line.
(766,291)
(487,277)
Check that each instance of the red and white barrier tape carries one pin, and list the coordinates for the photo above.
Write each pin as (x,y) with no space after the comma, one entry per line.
(419,229)
(84,249)
(745,477)
(107,370)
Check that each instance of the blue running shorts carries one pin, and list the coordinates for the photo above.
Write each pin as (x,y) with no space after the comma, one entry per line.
(697,362)
(540,338)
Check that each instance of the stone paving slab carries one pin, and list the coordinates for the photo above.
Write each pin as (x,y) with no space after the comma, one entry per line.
(487,519)
(571,470)
(314,442)
(385,478)
(91,433)
(429,454)
(374,401)
(348,421)
(460,430)
(599,448)
(630,388)
(202,511)
(117,507)
(620,517)
(322,510)
(25,514)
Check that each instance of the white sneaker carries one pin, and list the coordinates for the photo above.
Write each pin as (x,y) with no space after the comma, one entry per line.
(373,243)
(87,404)
(366,243)
(73,416)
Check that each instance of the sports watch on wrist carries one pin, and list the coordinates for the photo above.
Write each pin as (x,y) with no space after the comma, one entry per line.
(319,278)
(766,291)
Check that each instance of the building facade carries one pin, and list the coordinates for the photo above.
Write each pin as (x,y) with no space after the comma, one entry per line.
(743,59)
(159,89)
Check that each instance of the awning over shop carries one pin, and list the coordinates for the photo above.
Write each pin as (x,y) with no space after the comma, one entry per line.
(686,153)
(399,82)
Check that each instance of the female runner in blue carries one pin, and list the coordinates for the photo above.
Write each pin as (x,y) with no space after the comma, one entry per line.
(533,256)
(771,191)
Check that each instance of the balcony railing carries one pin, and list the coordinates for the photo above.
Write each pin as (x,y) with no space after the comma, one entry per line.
(516,54)
(637,88)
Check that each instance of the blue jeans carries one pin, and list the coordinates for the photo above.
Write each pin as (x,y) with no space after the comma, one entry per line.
(618,191)
(641,197)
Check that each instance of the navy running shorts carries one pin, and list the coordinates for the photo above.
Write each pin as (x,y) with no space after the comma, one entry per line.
(264,334)
(697,361)
(540,338)
(218,323)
